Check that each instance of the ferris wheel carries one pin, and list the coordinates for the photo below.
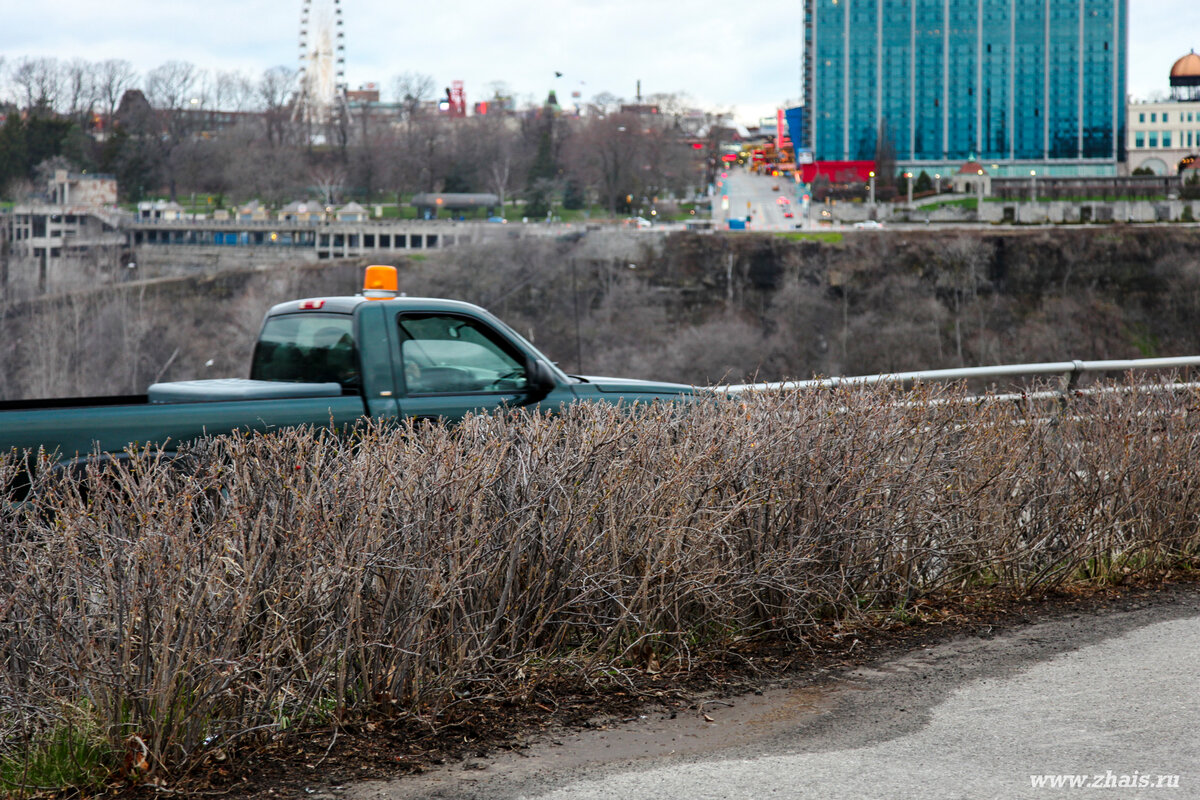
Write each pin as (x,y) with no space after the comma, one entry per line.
(322,61)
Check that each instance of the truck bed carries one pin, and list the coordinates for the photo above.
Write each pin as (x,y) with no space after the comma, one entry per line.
(76,402)
(77,426)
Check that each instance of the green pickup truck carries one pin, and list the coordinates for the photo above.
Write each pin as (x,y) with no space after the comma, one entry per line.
(327,361)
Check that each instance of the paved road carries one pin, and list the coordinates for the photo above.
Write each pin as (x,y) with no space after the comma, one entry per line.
(756,196)
(1113,696)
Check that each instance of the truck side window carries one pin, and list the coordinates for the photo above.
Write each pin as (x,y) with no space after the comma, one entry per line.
(443,354)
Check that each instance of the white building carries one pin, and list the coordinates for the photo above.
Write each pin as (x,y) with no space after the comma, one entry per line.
(1162,134)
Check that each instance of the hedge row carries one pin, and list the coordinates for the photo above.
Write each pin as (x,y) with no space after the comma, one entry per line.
(154,611)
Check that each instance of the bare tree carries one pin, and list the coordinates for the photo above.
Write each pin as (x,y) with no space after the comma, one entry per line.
(274,94)
(671,105)
(232,91)
(329,178)
(497,151)
(255,169)
(113,78)
(173,85)
(606,103)
(173,90)
(608,154)
(413,90)
(961,276)
(39,81)
(81,89)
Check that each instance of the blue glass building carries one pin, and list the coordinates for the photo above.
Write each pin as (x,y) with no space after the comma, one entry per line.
(1016,83)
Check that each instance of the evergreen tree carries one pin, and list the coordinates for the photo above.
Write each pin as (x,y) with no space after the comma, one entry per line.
(573,198)
(45,136)
(14,156)
(544,170)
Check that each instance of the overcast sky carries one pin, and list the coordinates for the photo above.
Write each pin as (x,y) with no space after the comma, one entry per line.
(724,55)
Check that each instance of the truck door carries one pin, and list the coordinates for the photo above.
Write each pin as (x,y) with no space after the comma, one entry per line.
(453,364)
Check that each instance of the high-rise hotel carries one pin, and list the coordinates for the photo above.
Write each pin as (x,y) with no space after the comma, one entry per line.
(1017,83)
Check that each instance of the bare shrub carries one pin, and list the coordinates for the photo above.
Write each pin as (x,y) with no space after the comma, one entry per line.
(265,584)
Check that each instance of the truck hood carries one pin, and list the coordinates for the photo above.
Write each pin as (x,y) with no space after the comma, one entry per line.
(631,386)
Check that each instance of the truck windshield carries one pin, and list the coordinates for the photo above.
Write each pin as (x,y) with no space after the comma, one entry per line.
(307,348)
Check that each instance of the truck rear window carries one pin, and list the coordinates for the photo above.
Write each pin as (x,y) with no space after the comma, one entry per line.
(307,348)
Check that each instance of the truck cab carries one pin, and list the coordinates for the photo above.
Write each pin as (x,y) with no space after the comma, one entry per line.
(424,358)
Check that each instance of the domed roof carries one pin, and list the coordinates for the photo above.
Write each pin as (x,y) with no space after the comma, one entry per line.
(1187,67)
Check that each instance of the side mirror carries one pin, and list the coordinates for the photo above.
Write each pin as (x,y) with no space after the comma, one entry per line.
(541,379)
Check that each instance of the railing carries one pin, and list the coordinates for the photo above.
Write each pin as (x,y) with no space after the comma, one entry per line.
(1068,371)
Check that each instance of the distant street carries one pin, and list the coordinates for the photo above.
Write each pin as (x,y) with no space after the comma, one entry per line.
(1105,700)
(756,197)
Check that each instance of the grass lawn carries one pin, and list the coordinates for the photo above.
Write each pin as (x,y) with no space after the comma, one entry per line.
(965,202)
(828,237)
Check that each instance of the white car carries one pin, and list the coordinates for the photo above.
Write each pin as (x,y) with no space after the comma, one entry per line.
(869,223)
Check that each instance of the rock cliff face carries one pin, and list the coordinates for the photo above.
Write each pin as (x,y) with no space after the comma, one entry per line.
(894,300)
(696,308)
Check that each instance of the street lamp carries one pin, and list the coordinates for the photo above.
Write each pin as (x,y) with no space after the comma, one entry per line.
(1033,185)
(908,182)
(937,183)
(980,173)
(872,176)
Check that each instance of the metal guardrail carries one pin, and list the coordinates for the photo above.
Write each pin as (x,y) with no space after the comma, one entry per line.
(1069,371)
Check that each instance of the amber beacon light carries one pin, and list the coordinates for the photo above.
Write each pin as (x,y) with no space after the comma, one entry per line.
(381,282)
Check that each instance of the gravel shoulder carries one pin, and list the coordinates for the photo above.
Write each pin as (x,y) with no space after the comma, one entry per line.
(874,689)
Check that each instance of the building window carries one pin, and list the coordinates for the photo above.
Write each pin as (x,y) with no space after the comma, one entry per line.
(1139,139)
(1142,117)
(1154,117)
(1166,138)
(1165,115)
(1153,139)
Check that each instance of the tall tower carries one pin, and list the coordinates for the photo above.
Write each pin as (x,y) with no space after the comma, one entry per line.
(322,90)
(1018,83)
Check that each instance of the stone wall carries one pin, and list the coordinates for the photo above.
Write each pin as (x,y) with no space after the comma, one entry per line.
(1025,213)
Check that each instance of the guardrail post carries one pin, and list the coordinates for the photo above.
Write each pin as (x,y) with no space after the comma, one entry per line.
(1070,379)
(1068,382)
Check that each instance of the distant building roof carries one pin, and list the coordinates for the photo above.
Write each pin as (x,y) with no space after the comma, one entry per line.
(1187,67)
(460,200)
(1186,71)
(972,168)
(302,207)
